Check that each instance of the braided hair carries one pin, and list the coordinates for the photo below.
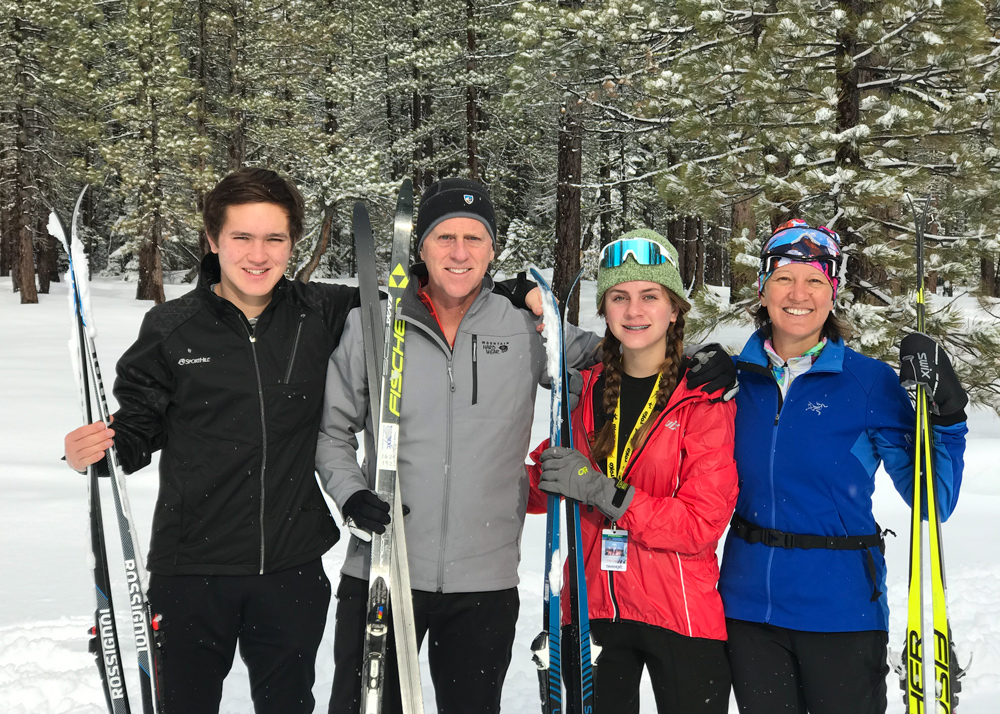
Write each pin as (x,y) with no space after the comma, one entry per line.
(611,355)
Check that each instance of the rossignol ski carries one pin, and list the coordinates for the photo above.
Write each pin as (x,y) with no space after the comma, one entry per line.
(89,373)
(947,672)
(381,577)
(575,650)
(546,647)
(399,582)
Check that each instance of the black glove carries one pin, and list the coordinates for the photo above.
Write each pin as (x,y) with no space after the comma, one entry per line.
(923,362)
(574,387)
(711,368)
(515,289)
(365,513)
(569,473)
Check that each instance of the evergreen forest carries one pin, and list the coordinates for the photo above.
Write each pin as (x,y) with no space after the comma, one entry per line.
(710,121)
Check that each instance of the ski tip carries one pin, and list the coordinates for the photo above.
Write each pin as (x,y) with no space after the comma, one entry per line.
(55,229)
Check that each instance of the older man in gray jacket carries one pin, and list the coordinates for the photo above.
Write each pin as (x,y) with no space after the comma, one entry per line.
(473,363)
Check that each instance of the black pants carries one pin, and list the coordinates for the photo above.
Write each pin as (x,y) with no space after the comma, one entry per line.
(277,619)
(780,671)
(471,635)
(690,675)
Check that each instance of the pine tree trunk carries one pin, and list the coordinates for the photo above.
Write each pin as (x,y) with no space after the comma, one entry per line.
(690,251)
(6,230)
(236,148)
(24,252)
(743,221)
(605,218)
(570,166)
(48,265)
(324,240)
(699,263)
(988,273)
(471,95)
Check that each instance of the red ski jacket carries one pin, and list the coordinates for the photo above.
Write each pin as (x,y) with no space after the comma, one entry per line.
(685,484)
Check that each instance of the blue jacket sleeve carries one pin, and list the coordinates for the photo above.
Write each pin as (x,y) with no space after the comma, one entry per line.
(892,427)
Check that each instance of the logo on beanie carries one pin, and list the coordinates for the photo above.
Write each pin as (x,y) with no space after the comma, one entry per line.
(469,198)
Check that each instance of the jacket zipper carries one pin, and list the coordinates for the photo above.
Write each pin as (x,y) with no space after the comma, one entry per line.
(263,432)
(447,476)
(475,369)
(295,347)
(628,469)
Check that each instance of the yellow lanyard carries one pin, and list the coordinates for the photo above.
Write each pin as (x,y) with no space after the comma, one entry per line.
(613,471)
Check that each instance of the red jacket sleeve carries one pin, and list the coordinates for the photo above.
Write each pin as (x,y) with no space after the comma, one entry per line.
(537,499)
(693,519)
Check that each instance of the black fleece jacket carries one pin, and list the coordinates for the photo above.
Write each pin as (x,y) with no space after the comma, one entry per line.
(235,410)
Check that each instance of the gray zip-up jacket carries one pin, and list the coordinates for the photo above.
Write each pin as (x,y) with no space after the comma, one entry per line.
(464,433)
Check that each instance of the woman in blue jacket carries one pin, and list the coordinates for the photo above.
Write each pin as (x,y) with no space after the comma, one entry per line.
(803,573)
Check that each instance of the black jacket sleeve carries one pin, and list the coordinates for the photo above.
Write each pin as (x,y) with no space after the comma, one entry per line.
(143,388)
(333,301)
(515,289)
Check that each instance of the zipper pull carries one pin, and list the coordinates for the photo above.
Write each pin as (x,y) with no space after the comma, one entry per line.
(451,378)
(253,338)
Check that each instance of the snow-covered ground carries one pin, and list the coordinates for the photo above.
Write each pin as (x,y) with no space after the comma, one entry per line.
(46,597)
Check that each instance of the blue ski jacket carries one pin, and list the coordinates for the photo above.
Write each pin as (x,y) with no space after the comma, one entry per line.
(807,466)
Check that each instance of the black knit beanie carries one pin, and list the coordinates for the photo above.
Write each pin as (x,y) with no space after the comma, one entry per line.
(454,198)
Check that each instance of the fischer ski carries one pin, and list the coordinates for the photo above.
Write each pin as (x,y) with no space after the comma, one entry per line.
(399,583)
(89,372)
(947,673)
(574,647)
(383,574)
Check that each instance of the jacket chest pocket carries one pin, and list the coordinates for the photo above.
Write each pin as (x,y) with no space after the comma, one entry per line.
(493,371)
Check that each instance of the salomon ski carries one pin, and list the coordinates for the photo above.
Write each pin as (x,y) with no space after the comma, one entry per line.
(921,693)
(90,373)
(546,647)
(399,582)
(381,575)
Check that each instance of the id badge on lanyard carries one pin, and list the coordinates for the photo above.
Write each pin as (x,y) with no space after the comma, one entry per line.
(614,550)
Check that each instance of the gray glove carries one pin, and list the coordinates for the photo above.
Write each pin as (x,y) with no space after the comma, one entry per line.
(569,473)
(574,387)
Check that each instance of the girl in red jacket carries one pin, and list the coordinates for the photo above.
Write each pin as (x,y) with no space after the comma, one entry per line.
(655,462)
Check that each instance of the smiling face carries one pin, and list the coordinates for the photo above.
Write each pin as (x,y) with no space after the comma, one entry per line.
(254,247)
(798,298)
(457,253)
(639,313)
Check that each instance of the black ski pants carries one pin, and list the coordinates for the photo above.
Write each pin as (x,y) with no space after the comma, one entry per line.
(781,671)
(277,619)
(470,636)
(690,675)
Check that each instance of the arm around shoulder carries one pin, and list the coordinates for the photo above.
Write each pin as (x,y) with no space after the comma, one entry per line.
(345,412)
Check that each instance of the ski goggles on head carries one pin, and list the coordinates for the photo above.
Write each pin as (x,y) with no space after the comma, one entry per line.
(643,251)
(800,243)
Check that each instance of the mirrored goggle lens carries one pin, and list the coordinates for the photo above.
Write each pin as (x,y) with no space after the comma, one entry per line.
(804,242)
(828,265)
(645,252)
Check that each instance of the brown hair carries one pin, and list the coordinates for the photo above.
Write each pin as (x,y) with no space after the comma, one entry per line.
(604,441)
(833,329)
(253,185)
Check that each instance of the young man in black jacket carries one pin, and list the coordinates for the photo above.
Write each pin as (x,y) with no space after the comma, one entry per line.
(227,381)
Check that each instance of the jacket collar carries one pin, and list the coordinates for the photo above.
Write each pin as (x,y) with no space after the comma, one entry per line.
(681,392)
(831,359)
(413,309)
